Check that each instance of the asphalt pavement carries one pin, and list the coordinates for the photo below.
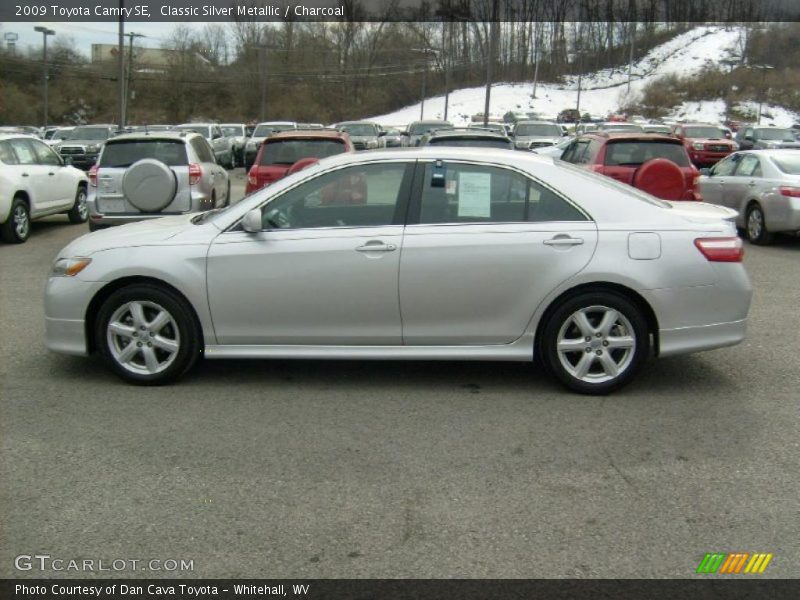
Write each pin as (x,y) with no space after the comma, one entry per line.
(286,469)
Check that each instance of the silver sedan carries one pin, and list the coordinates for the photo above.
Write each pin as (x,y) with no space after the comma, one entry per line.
(432,253)
(763,186)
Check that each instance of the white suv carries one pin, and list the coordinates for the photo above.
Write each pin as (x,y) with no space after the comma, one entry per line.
(35,182)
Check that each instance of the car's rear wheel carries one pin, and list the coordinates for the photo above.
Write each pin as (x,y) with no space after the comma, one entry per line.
(756,226)
(594,343)
(17,227)
(79,212)
(147,335)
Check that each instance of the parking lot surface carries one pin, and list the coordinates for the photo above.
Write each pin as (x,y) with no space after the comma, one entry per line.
(400,469)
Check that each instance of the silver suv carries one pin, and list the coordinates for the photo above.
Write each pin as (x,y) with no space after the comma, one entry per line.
(145,176)
(220,144)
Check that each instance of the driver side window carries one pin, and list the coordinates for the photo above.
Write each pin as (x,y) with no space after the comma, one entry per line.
(726,167)
(357,196)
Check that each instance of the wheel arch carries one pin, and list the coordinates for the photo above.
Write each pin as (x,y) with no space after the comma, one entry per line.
(93,309)
(601,286)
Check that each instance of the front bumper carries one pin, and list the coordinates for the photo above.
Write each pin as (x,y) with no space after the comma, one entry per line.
(65,302)
(707,157)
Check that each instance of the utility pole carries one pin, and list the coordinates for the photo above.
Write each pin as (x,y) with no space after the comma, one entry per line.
(536,42)
(129,82)
(445,55)
(630,58)
(121,64)
(489,61)
(45,32)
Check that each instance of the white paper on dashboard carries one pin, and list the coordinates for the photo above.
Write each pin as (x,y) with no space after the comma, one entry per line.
(474,195)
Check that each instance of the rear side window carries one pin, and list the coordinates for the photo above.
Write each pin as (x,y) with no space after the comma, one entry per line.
(464,193)
(789,164)
(24,151)
(7,156)
(203,150)
(287,152)
(124,154)
(576,153)
(633,154)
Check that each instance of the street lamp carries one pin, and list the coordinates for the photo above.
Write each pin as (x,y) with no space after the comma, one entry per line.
(45,32)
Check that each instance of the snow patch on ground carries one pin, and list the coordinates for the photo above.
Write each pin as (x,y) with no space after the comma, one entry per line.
(602,92)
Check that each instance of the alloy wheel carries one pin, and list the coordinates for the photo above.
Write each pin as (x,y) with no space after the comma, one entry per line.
(143,337)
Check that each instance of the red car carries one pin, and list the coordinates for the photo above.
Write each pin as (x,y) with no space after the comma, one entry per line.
(706,144)
(652,162)
(288,151)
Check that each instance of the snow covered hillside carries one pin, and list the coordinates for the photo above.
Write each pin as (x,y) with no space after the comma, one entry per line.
(604,91)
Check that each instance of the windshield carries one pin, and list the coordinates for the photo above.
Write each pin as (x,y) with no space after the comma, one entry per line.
(232,130)
(656,129)
(789,164)
(62,134)
(201,129)
(473,143)
(636,153)
(423,128)
(287,152)
(540,130)
(124,154)
(88,133)
(360,129)
(775,135)
(703,132)
(268,129)
(492,126)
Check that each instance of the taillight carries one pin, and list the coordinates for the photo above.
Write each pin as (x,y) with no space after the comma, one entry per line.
(195,172)
(92,174)
(791,192)
(252,179)
(723,249)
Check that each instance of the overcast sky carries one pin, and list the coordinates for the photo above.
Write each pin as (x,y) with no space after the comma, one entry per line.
(86,34)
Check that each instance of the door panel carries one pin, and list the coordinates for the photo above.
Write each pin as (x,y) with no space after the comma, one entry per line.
(305,287)
(324,271)
(480,284)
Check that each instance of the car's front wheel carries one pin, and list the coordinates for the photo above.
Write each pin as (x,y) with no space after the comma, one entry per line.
(148,335)
(595,342)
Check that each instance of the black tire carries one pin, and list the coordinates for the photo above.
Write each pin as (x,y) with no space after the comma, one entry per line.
(228,197)
(183,329)
(17,228)
(631,326)
(79,213)
(95,226)
(756,226)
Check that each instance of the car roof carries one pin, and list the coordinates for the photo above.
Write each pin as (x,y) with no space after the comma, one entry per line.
(357,123)
(537,122)
(330,134)
(472,133)
(700,125)
(21,134)
(276,123)
(430,122)
(632,136)
(154,135)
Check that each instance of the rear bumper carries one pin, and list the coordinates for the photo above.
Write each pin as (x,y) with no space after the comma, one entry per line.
(706,337)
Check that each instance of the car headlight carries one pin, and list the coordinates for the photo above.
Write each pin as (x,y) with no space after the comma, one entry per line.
(734,146)
(69,267)
(698,146)
(93,148)
(251,145)
(372,143)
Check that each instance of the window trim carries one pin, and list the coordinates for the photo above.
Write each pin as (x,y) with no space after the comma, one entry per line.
(400,216)
(418,186)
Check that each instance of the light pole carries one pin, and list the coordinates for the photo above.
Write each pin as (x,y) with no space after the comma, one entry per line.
(129,82)
(489,61)
(424,52)
(764,69)
(45,32)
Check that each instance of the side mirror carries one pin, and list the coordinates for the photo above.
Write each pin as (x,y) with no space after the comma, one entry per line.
(705,171)
(405,133)
(215,136)
(68,161)
(749,138)
(564,134)
(251,222)
(381,133)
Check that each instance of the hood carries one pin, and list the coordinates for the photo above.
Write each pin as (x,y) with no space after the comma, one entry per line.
(703,213)
(778,144)
(141,233)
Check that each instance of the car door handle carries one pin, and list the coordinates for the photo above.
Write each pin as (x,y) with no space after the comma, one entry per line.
(752,184)
(376,246)
(24,174)
(563,241)
(51,173)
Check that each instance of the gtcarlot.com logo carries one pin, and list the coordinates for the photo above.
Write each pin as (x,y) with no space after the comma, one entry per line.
(734,563)
(45,562)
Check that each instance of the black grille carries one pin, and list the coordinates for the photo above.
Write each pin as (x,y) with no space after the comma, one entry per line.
(71,150)
(718,148)
(540,144)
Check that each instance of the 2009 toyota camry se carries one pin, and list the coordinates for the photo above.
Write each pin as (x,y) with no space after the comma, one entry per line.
(430,253)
